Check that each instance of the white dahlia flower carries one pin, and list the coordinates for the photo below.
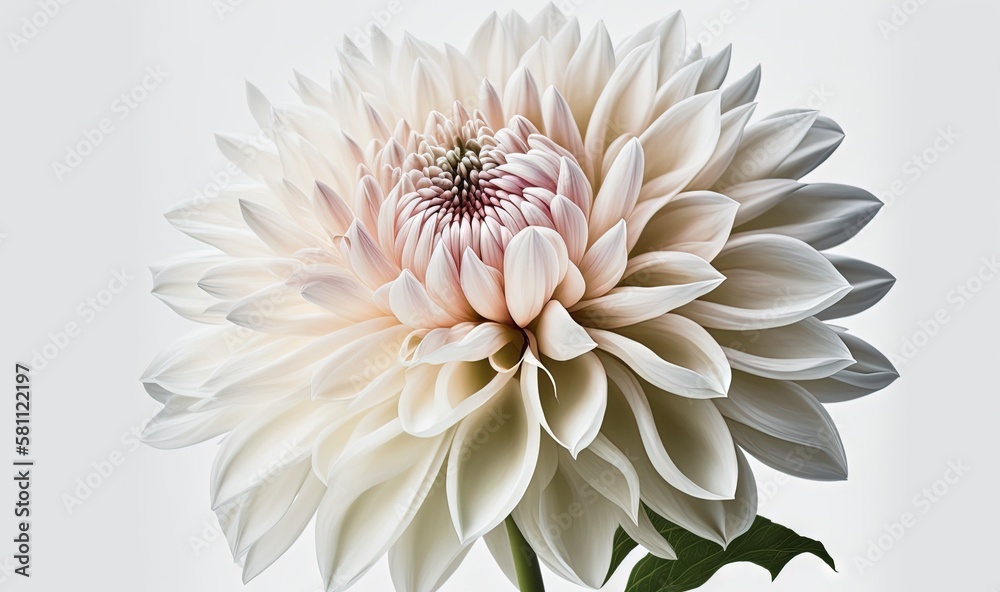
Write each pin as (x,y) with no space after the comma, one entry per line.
(550,278)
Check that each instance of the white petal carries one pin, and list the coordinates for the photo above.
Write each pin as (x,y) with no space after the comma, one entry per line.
(570,398)
(487,478)
(279,539)
(872,372)
(414,307)
(731,131)
(281,309)
(672,353)
(806,350)
(355,366)
(653,284)
(559,336)
(175,283)
(603,265)
(710,519)
(264,444)
(492,49)
(771,281)
(619,191)
(869,284)
(499,546)
(757,197)
(521,96)
(670,34)
(679,144)
(785,427)
(574,184)
(175,426)
(766,144)
(609,471)
(429,548)
(819,143)
(822,214)
(627,99)
(587,74)
(533,267)
(697,222)
(432,401)
(585,545)
(645,533)
(277,231)
(387,499)
(681,86)
(483,286)
(741,92)
(368,262)
(465,342)
(236,278)
(571,224)
(337,291)
(716,70)
(560,126)
(687,440)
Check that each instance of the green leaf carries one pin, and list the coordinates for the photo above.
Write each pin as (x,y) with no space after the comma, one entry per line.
(623,546)
(766,544)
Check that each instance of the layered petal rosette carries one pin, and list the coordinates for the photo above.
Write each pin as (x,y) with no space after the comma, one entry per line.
(546,274)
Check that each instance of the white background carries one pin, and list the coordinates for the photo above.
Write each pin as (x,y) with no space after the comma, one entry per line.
(62,241)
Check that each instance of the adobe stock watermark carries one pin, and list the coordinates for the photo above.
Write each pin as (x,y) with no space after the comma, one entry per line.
(224,8)
(101,470)
(913,170)
(380,19)
(899,16)
(916,166)
(87,312)
(121,108)
(922,503)
(714,27)
(33,24)
(957,298)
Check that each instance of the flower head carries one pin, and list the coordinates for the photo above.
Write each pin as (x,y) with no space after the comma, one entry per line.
(549,276)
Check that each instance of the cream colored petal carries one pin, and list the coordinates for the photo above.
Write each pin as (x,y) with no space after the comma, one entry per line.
(603,265)
(483,286)
(414,307)
(672,353)
(531,273)
(569,398)
(627,99)
(619,190)
(559,336)
(491,463)
(733,124)
(428,550)
(686,440)
(679,143)
(653,284)
(696,222)
(588,72)
(346,547)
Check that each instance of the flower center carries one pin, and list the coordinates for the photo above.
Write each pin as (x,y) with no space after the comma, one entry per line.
(474,188)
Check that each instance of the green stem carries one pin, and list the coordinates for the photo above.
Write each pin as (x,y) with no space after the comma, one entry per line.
(529,575)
